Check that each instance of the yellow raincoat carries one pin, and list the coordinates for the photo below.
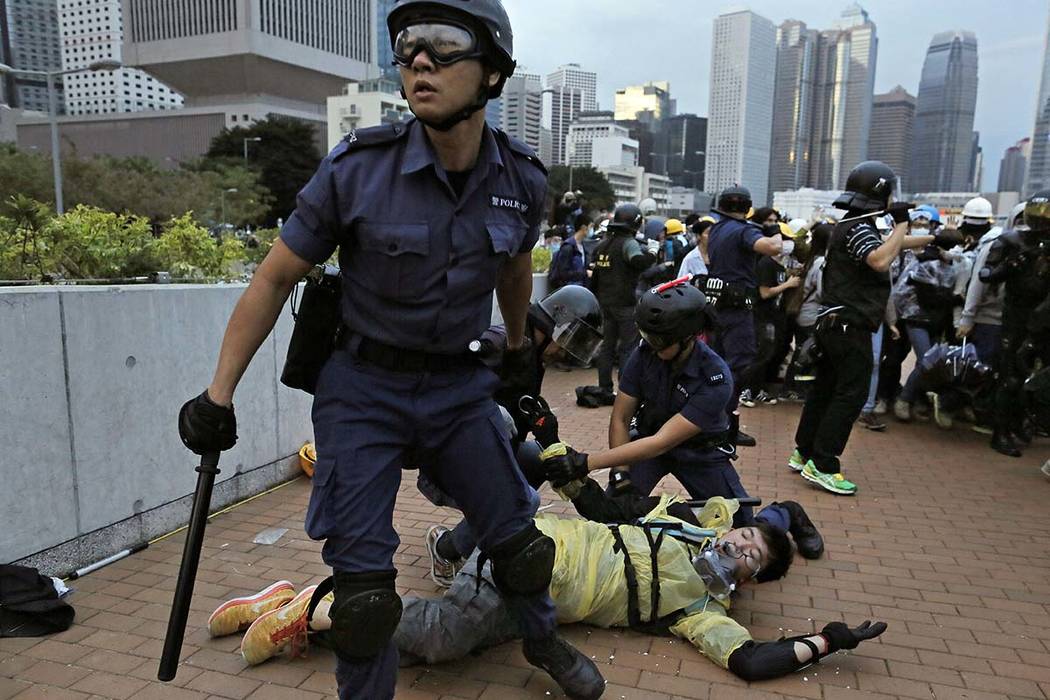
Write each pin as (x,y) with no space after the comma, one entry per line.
(589,583)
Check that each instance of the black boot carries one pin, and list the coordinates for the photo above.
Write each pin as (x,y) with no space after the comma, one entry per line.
(737,436)
(607,397)
(576,675)
(807,538)
(1004,444)
(1022,436)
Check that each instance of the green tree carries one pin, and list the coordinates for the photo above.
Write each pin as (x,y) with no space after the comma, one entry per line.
(597,192)
(21,232)
(285,158)
(88,243)
(187,250)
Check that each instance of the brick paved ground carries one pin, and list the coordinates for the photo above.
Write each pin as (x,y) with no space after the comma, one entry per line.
(947,541)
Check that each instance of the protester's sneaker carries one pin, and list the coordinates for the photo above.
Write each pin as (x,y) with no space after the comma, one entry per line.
(273,632)
(807,538)
(442,571)
(238,614)
(881,408)
(871,422)
(902,410)
(746,399)
(764,397)
(792,397)
(942,418)
(1046,469)
(796,461)
(576,675)
(835,483)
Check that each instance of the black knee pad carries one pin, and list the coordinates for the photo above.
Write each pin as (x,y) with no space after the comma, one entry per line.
(365,613)
(523,565)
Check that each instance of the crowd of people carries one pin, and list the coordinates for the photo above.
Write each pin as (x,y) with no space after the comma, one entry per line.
(434,219)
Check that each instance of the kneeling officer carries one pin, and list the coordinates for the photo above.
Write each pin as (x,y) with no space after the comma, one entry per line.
(429,218)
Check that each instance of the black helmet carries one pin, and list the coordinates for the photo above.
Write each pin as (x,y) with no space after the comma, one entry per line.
(868,187)
(735,200)
(627,217)
(1037,212)
(671,313)
(486,15)
(572,318)
(1037,398)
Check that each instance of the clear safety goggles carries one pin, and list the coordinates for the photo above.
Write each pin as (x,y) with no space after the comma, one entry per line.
(445,42)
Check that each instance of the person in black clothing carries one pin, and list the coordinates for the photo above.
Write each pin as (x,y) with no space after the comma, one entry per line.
(618,261)
(1020,260)
(856,290)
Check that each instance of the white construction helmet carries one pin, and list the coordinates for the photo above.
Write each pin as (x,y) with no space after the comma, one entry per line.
(978,211)
(1016,215)
(799,227)
(648,206)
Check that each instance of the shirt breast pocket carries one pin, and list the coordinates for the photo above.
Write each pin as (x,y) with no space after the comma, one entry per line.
(504,241)
(393,258)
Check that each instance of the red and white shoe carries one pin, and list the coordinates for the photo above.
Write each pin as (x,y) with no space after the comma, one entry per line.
(238,614)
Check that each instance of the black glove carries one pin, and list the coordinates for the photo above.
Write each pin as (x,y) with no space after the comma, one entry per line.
(840,636)
(545,428)
(947,239)
(205,426)
(516,368)
(901,212)
(561,469)
(620,482)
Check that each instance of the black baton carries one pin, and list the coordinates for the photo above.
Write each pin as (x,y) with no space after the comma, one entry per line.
(191,556)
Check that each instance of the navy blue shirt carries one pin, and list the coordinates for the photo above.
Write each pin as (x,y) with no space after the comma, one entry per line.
(419,263)
(700,391)
(731,248)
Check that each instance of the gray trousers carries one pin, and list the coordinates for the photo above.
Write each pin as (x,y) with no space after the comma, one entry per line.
(465,619)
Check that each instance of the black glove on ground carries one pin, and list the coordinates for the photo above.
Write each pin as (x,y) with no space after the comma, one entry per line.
(562,469)
(205,426)
(840,636)
(901,212)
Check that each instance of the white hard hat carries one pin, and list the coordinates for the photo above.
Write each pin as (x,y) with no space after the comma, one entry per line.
(648,206)
(1015,214)
(978,211)
(797,226)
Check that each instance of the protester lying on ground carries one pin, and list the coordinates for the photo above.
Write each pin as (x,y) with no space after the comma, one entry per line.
(603,576)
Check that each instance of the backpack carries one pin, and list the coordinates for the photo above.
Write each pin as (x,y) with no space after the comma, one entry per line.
(29,604)
(555,275)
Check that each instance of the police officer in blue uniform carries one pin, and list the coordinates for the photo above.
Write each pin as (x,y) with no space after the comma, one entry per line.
(734,246)
(429,218)
(675,389)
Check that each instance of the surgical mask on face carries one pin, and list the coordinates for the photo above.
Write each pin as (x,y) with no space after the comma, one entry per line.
(920,231)
(788,248)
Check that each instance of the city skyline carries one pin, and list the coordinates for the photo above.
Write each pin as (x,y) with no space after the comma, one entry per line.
(1011,50)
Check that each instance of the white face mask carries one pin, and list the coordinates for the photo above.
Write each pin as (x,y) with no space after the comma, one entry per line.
(920,232)
(788,247)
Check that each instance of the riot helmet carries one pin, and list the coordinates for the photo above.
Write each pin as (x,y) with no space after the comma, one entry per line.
(734,200)
(572,318)
(627,218)
(869,188)
(1037,213)
(671,313)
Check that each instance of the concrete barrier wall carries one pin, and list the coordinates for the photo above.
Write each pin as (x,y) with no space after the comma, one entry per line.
(91,381)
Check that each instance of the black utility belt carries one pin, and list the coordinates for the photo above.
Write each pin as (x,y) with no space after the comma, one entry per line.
(395,359)
(735,296)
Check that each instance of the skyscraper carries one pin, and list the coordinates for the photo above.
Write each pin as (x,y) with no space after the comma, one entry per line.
(892,123)
(1038,177)
(793,118)
(743,68)
(1013,166)
(843,90)
(653,98)
(571,90)
(943,149)
(384,53)
(686,144)
(522,102)
(93,30)
(29,32)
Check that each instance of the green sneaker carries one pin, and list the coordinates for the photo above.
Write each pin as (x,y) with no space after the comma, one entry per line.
(796,461)
(836,483)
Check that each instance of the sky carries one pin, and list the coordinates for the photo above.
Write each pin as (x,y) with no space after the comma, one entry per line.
(629,43)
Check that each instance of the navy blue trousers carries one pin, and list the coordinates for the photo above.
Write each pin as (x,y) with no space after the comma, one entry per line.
(735,342)
(369,423)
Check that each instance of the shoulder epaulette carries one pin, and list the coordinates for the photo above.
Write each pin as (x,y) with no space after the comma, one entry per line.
(521,149)
(370,137)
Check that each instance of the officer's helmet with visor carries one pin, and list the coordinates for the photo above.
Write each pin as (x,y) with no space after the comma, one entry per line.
(671,313)
(870,187)
(451,31)
(1037,213)
(572,318)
